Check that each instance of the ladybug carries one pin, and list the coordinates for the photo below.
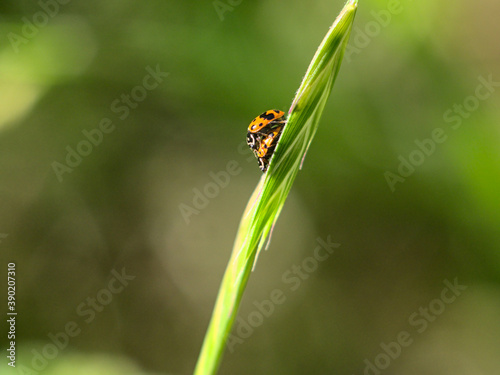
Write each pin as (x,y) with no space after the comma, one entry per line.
(266,121)
(263,134)
(268,144)
(266,148)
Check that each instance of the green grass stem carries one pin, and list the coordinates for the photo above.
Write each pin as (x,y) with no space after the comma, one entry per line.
(268,199)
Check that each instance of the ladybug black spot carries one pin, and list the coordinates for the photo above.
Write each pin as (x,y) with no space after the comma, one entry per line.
(268,115)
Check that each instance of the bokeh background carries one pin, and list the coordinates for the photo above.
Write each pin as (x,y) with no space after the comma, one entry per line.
(132,204)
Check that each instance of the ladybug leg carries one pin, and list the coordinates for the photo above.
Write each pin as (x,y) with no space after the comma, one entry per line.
(275,124)
(281,122)
(252,140)
(263,164)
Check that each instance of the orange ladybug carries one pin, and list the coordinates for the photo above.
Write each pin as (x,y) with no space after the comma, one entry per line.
(263,134)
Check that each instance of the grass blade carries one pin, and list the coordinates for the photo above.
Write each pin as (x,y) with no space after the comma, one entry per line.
(268,199)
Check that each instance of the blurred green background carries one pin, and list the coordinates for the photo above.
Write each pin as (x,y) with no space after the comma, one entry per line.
(116,116)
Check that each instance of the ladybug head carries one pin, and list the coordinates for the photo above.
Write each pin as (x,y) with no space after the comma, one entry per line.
(252,140)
